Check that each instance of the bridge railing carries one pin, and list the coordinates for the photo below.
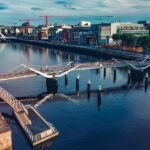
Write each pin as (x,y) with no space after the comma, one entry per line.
(12,101)
(26,129)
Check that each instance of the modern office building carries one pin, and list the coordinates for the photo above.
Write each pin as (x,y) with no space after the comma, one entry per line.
(129,28)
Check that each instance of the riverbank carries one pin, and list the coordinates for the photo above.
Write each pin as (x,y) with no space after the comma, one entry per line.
(86,50)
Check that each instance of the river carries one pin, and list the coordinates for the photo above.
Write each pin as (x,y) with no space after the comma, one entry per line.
(120,120)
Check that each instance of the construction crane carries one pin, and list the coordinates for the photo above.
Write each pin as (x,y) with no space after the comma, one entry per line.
(46,18)
(27,21)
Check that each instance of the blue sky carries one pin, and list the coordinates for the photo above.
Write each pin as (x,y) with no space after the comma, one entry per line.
(11,10)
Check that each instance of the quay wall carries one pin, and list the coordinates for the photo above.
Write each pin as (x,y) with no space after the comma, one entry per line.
(5,135)
(86,50)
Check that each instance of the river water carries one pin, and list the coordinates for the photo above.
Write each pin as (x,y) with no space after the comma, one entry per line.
(120,120)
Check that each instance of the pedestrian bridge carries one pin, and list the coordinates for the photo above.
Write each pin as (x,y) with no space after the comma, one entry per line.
(3,37)
(57,71)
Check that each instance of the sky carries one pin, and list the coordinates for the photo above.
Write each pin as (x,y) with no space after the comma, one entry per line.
(12,10)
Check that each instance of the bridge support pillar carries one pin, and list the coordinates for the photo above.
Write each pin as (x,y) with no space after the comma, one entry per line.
(89,89)
(66,81)
(137,76)
(52,85)
(104,73)
(99,97)
(146,81)
(77,84)
(115,75)
(129,77)
(97,71)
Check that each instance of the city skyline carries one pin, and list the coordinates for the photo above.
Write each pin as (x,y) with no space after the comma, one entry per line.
(14,10)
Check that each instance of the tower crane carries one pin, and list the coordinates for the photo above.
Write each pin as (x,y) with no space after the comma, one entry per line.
(27,21)
(46,18)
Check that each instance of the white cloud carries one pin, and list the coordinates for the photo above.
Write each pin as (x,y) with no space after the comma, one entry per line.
(34,8)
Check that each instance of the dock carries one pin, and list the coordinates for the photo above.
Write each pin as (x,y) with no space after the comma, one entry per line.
(35,127)
(38,130)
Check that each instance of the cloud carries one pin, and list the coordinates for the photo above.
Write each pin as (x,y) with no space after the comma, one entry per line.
(61,2)
(36,8)
(3,6)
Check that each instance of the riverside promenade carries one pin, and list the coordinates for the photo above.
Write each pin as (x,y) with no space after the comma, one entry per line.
(87,50)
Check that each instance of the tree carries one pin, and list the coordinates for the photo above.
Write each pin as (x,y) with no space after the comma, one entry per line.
(144,41)
(128,40)
(116,38)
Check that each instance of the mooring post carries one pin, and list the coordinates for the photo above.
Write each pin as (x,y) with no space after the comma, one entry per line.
(89,89)
(66,81)
(129,77)
(146,81)
(115,75)
(46,68)
(104,73)
(99,97)
(77,84)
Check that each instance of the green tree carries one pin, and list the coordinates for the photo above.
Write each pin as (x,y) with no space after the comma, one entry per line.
(116,38)
(144,41)
(128,40)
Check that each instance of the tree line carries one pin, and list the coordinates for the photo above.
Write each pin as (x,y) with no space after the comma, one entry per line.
(132,40)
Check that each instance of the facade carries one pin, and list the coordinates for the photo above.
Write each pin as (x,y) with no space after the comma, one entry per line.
(105,33)
(102,33)
(129,28)
(67,36)
(43,33)
(146,25)
(85,24)
(79,35)
(22,30)
(59,32)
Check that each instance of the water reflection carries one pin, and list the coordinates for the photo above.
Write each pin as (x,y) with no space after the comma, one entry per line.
(99,100)
(45,145)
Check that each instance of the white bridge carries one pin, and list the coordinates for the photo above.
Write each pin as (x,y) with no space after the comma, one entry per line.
(57,71)
(3,37)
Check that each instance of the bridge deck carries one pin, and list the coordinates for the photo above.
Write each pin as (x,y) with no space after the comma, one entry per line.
(59,71)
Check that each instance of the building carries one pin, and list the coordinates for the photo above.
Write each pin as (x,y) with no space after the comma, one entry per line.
(25,29)
(84,24)
(129,28)
(67,36)
(146,24)
(102,33)
(43,33)
(79,35)
(57,31)
(5,135)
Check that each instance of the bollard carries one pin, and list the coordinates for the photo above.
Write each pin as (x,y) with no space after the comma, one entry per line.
(99,97)
(77,84)
(104,73)
(46,68)
(89,86)
(66,81)
(115,75)
(129,77)
(146,81)
(89,89)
